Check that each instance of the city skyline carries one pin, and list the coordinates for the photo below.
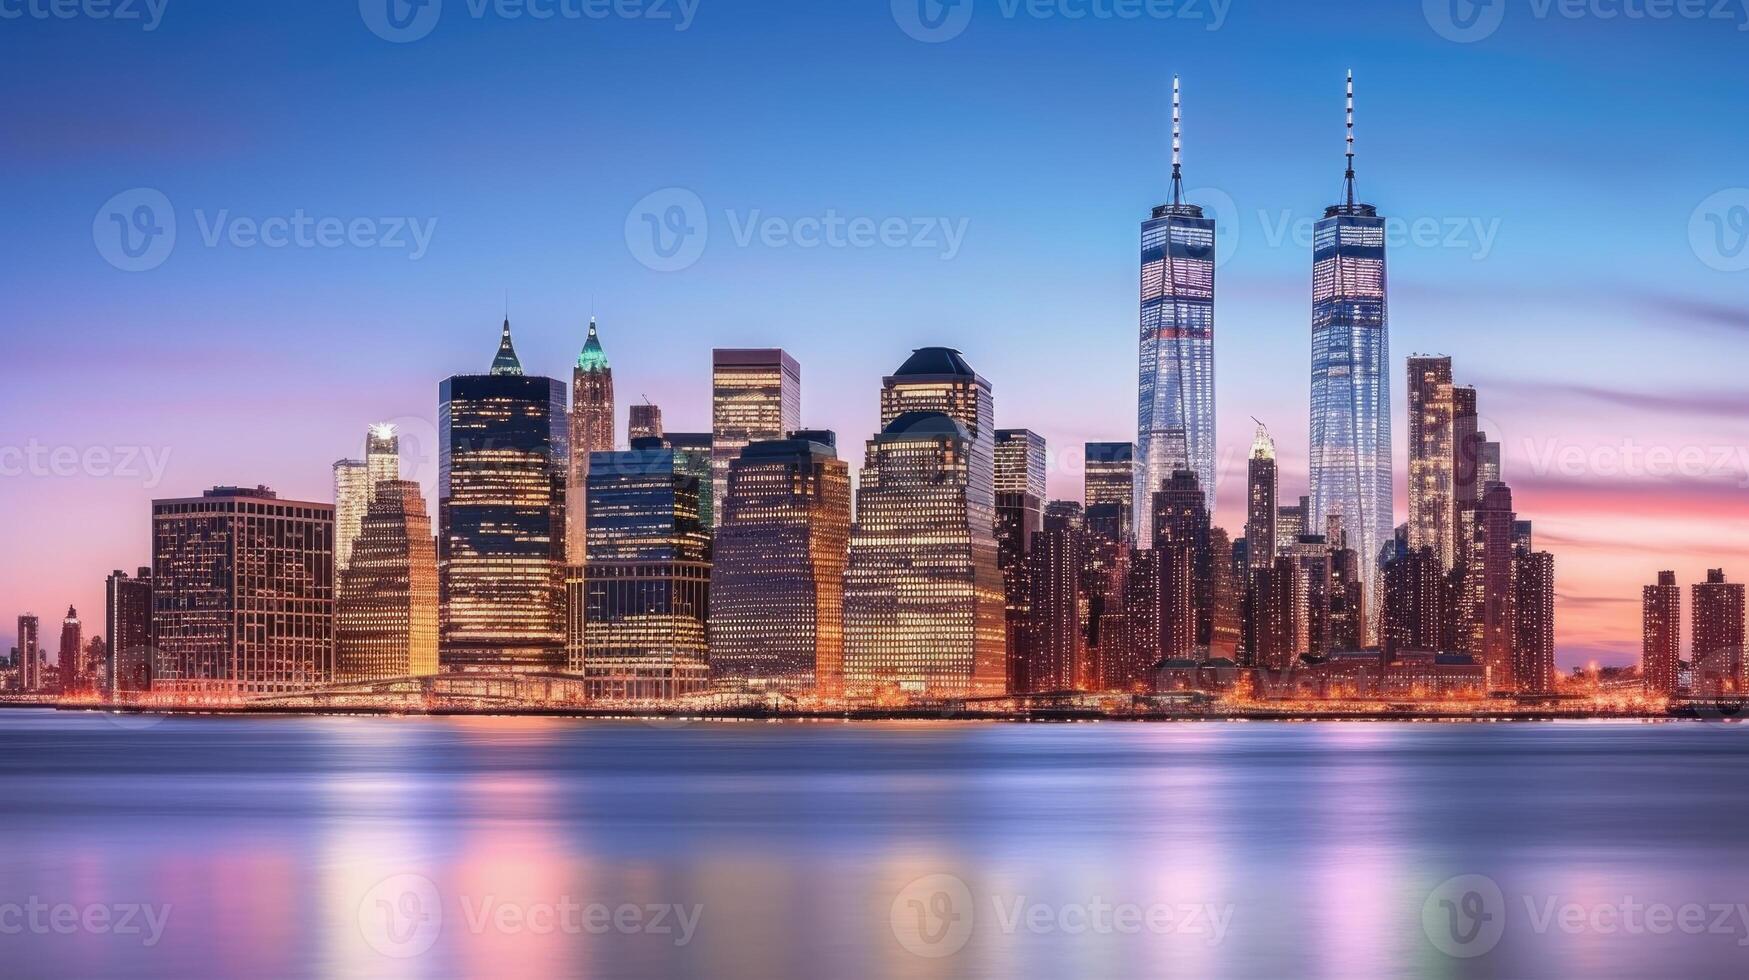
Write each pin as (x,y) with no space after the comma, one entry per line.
(1520,320)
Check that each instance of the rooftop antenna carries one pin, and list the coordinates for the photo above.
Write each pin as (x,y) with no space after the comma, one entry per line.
(1177,145)
(1348,178)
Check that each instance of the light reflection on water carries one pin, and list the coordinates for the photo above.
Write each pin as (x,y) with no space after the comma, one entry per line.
(432,847)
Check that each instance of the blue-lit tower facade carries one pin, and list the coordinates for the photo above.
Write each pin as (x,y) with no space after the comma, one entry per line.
(1175,417)
(1351,380)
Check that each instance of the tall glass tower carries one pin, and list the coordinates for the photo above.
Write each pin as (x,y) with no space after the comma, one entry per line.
(1175,417)
(1351,378)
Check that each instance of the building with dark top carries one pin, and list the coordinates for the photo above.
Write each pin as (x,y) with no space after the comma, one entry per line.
(504,439)
(923,599)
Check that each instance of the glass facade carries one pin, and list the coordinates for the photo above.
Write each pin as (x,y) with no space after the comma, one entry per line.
(777,573)
(646,581)
(1351,384)
(756,396)
(1175,419)
(386,618)
(243,593)
(923,599)
(502,477)
(1020,493)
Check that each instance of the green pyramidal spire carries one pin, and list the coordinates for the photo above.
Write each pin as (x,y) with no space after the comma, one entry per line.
(593,358)
(506,362)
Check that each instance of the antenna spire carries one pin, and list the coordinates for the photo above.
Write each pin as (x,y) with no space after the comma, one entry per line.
(1348,178)
(1177,145)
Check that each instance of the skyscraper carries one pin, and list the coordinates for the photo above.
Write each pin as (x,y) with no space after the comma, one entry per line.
(1181,524)
(128,629)
(1415,603)
(242,593)
(355,483)
(386,611)
(29,654)
(1108,474)
(1488,588)
(1020,493)
(1262,489)
(1661,643)
(1291,521)
(777,571)
(1432,506)
(70,660)
(1465,489)
(1175,418)
(692,451)
(1054,649)
(1718,636)
(1533,611)
(1351,379)
(644,422)
(591,431)
(922,595)
(756,396)
(501,518)
(646,578)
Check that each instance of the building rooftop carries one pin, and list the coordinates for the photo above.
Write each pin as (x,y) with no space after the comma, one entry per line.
(928,361)
(926,424)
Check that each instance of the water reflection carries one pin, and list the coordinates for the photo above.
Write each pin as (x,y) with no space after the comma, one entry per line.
(438,848)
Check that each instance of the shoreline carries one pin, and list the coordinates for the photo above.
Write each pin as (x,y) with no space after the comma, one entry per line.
(861,715)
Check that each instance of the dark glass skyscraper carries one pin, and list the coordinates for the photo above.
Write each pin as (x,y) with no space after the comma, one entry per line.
(1175,418)
(646,579)
(1351,379)
(1020,498)
(501,516)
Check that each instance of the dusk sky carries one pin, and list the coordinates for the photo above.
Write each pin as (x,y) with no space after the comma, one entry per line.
(1575,193)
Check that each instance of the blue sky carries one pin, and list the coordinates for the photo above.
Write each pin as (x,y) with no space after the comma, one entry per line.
(1560,163)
